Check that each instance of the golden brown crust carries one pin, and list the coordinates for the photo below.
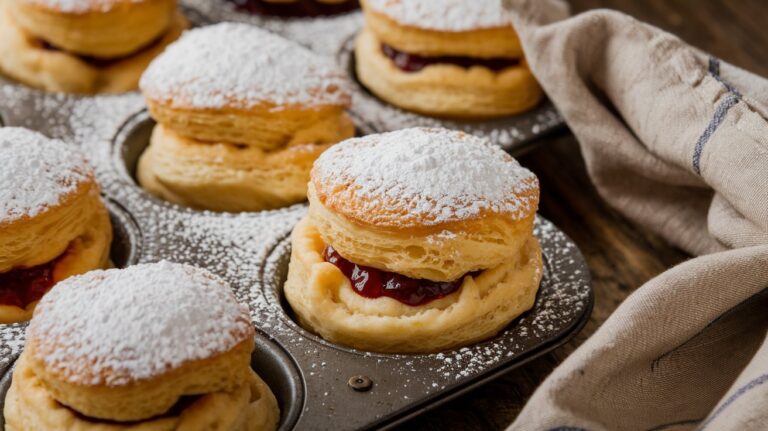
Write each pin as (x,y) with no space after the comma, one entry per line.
(367,200)
(112,32)
(446,90)
(325,302)
(224,177)
(443,252)
(480,43)
(24,58)
(250,406)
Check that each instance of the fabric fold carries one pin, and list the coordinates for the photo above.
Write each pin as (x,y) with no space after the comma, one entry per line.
(677,141)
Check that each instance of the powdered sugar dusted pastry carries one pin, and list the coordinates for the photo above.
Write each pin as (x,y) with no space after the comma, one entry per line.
(53,223)
(453,58)
(84,46)
(248,111)
(152,347)
(239,84)
(417,240)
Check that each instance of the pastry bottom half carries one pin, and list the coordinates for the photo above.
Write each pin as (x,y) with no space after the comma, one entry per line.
(88,251)
(446,90)
(251,406)
(27,59)
(325,302)
(225,177)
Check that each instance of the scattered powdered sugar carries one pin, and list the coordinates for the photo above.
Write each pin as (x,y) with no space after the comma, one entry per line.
(36,172)
(430,175)
(120,325)
(444,15)
(241,66)
(80,6)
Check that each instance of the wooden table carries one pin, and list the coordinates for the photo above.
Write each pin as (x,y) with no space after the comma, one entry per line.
(620,255)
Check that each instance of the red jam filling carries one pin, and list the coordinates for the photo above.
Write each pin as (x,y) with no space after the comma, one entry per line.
(414,63)
(374,283)
(22,286)
(297,8)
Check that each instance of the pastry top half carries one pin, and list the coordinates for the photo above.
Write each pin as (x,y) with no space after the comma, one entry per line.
(238,67)
(423,179)
(472,28)
(43,183)
(426,203)
(118,327)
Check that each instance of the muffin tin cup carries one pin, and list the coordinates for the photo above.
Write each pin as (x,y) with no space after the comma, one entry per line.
(320,385)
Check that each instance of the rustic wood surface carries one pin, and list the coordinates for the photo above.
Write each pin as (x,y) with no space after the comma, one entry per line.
(620,255)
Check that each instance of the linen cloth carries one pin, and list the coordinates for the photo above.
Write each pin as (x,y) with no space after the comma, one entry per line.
(677,141)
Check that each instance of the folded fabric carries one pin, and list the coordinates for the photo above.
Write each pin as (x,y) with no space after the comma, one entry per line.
(677,141)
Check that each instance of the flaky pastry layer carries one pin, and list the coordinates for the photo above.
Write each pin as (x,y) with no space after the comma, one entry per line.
(446,90)
(323,299)
(119,31)
(24,58)
(225,177)
(250,406)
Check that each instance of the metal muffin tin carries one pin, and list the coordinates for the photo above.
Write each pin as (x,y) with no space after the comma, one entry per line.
(319,385)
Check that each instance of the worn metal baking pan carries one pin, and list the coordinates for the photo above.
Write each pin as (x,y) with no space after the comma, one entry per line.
(314,380)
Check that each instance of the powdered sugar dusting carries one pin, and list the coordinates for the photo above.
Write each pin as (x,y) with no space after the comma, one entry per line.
(251,250)
(36,172)
(80,6)
(241,66)
(444,15)
(429,175)
(116,326)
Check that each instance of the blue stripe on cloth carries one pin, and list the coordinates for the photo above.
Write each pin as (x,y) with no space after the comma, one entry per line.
(736,395)
(714,70)
(717,119)
(721,111)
